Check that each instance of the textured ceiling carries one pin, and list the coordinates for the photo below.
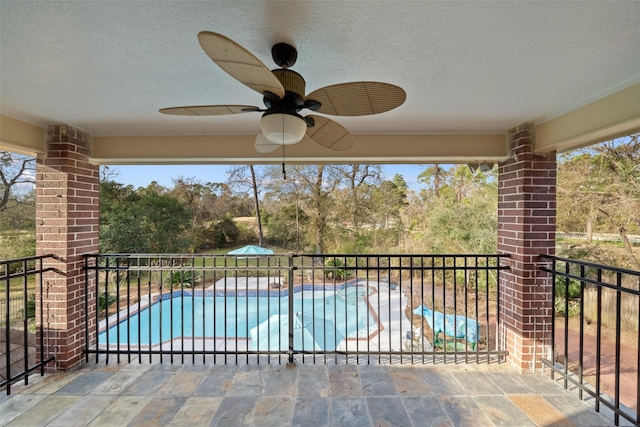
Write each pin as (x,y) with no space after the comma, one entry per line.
(107,67)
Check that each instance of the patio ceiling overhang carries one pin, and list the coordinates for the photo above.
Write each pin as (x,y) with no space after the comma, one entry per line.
(471,71)
(607,118)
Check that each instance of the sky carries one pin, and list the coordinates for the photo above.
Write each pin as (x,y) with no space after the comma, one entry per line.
(143,175)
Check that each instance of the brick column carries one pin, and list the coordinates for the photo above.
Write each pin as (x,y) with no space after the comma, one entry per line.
(526,229)
(67,208)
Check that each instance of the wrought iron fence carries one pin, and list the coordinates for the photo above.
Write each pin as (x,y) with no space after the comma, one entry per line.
(414,308)
(18,357)
(16,308)
(595,333)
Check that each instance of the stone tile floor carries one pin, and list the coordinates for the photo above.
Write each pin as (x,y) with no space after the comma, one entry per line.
(252,394)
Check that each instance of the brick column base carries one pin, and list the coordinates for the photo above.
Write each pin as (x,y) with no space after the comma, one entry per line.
(526,229)
(67,208)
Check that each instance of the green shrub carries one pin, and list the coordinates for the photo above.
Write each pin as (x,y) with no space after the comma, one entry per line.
(185,279)
(338,274)
(561,287)
(573,307)
(31,306)
(105,300)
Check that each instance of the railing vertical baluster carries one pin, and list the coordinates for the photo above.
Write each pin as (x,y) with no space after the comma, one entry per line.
(638,362)
(25,331)
(7,324)
(466,307)
(149,261)
(433,305)
(139,308)
(215,310)
(182,311)
(599,338)
(204,328)
(359,305)
(225,261)
(581,338)
(269,296)
(41,316)
(86,309)
(237,292)
(128,279)
(118,308)
(290,307)
(313,316)
(444,305)
(280,314)
(409,297)
(618,339)
(455,308)
(106,309)
(192,288)
(553,316)
(367,278)
(160,309)
(498,278)
(477,308)
(565,351)
(171,308)
(246,303)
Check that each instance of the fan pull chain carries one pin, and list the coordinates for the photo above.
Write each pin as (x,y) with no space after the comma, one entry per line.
(284,171)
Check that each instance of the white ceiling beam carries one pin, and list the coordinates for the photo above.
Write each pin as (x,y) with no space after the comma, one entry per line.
(605,119)
(21,137)
(230,149)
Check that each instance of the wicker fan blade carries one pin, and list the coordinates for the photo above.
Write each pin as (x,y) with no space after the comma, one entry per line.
(330,134)
(263,145)
(358,98)
(241,64)
(209,110)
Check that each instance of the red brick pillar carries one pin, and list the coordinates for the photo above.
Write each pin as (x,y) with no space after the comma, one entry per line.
(526,229)
(67,197)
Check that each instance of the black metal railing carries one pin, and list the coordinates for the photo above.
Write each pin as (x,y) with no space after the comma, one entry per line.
(595,333)
(20,353)
(402,307)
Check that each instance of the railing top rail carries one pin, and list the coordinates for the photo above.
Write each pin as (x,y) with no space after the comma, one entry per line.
(168,255)
(592,264)
(584,279)
(29,258)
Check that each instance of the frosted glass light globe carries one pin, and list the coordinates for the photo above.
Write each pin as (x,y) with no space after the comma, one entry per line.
(284,129)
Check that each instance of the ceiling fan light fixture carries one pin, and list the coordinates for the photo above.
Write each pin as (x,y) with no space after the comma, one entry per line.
(284,129)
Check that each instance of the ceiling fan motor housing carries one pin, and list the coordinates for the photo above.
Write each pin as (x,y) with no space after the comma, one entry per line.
(293,101)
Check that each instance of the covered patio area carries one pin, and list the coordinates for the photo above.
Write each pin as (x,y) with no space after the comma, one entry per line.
(506,83)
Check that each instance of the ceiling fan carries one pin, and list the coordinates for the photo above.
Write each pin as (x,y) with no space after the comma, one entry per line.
(284,97)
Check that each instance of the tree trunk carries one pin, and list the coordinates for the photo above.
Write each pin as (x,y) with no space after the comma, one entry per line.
(256,200)
(628,247)
(589,236)
(436,181)
(623,235)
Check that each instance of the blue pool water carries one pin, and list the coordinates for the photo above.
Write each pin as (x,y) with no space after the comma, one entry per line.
(229,317)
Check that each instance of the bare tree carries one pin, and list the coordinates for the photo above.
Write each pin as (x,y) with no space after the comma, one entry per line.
(315,187)
(16,172)
(245,178)
(360,178)
(599,189)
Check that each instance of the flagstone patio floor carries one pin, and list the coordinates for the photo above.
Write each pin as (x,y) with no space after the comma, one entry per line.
(320,394)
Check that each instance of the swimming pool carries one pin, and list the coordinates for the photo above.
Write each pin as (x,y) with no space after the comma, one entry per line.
(259,318)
